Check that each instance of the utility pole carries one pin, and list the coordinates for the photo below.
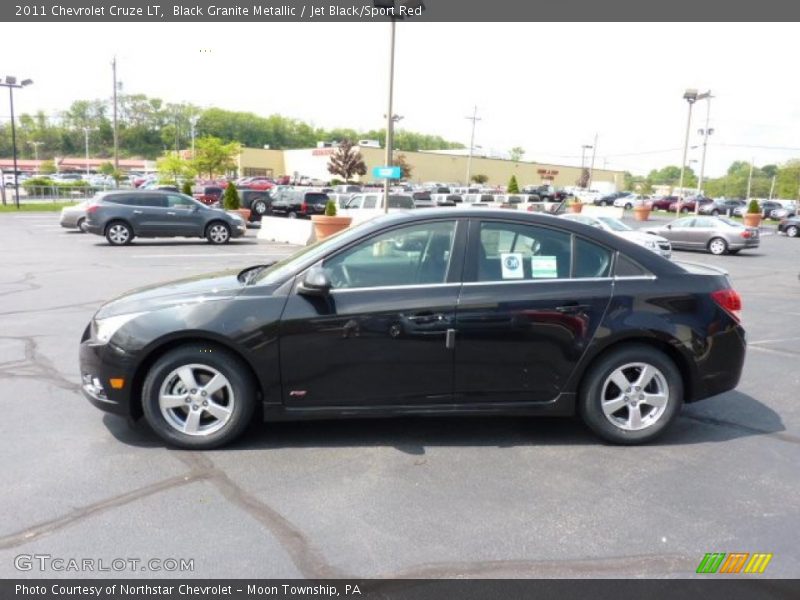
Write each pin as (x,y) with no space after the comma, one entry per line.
(591,168)
(750,178)
(389,119)
(86,131)
(705,133)
(772,187)
(474,118)
(36,151)
(116,134)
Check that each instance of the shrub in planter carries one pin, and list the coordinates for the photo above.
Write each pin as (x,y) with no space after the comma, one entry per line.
(752,217)
(329,223)
(231,202)
(186,188)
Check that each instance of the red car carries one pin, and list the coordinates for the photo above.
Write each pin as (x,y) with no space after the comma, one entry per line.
(209,195)
(663,202)
(688,204)
(259,183)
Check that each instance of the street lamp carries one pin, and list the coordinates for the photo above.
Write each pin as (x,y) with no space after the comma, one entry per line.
(474,118)
(691,96)
(11,83)
(406,6)
(36,151)
(705,133)
(86,131)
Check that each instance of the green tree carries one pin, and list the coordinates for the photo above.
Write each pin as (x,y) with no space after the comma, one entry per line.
(346,161)
(516,153)
(187,188)
(513,186)
(172,168)
(213,156)
(230,199)
(47,167)
(479,178)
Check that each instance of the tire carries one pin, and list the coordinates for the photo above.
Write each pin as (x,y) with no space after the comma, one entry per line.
(620,426)
(792,231)
(80,224)
(259,208)
(218,233)
(715,212)
(628,206)
(119,233)
(193,420)
(717,246)
(685,209)
(291,215)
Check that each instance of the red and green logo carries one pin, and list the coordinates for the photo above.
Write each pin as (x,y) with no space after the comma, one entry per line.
(733,563)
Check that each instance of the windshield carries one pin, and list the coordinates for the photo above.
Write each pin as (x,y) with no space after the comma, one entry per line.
(614,224)
(728,222)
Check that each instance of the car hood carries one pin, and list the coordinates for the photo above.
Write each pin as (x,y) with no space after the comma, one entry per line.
(639,236)
(201,288)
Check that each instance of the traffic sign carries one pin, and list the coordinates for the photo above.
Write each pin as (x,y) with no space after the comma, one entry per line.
(386,172)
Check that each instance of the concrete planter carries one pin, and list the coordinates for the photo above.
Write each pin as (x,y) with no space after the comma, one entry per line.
(752,219)
(325,226)
(575,207)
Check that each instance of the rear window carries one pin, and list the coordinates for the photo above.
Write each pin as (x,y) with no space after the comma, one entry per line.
(401,202)
(627,267)
(312,198)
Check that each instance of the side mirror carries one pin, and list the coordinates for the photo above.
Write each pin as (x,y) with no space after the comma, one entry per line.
(669,226)
(315,283)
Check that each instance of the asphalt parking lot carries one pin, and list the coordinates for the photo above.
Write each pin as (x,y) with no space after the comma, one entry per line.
(442,497)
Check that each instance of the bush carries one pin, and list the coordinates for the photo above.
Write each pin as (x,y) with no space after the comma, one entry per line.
(38,182)
(187,188)
(753,208)
(330,208)
(513,186)
(336,181)
(230,199)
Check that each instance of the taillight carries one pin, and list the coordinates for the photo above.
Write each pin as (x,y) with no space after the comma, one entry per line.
(92,208)
(730,301)
(304,207)
(746,234)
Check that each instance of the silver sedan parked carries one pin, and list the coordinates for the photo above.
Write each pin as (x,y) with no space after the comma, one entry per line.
(718,235)
(73,217)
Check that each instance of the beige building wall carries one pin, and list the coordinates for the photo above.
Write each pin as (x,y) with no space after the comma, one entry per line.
(425,166)
(258,161)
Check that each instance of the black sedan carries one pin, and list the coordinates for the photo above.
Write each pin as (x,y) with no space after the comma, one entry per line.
(790,226)
(433,311)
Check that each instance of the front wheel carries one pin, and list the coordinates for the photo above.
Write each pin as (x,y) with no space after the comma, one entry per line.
(628,206)
(292,214)
(218,233)
(260,208)
(717,246)
(792,231)
(715,212)
(631,395)
(198,397)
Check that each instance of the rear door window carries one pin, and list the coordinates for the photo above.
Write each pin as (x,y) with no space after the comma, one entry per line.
(316,198)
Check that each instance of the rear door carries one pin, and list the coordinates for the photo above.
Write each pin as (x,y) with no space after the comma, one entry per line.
(680,232)
(532,300)
(149,214)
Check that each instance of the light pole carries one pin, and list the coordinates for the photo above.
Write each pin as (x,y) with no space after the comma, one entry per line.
(474,118)
(11,83)
(705,133)
(750,179)
(193,122)
(36,151)
(86,131)
(591,168)
(116,133)
(691,96)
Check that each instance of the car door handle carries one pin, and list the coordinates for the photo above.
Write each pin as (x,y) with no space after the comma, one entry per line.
(572,308)
(137,212)
(426,317)
(169,212)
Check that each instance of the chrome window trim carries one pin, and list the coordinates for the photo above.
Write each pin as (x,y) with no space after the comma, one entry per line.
(412,286)
(542,280)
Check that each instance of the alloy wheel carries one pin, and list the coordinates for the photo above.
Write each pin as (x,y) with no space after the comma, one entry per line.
(196,399)
(634,396)
(118,234)
(218,233)
(717,246)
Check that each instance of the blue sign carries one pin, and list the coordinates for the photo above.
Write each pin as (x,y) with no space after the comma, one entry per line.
(386,172)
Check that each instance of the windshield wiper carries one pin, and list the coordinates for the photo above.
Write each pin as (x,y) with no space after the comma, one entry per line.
(249,274)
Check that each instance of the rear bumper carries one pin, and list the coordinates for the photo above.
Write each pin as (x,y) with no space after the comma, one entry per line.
(720,368)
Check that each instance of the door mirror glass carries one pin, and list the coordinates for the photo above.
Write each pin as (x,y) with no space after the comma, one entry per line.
(316,282)
(669,226)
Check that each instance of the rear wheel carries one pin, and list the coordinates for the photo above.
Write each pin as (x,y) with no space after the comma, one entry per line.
(715,212)
(628,206)
(631,395)
(717,246)
(260,208)
(198,397)
(292,214)
(685,209)
(119,233)
(218,233)
(792,231)
(80,225)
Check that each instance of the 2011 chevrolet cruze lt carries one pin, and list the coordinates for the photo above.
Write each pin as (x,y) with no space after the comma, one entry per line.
(430,311)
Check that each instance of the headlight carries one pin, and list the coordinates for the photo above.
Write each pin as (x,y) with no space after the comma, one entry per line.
(651,244)
(104,329)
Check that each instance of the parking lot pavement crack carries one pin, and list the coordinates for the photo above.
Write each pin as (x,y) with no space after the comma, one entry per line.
(80,514)
(27,281)
(35,366)
(308,559)
(780,435)
(637,565)
(87,304)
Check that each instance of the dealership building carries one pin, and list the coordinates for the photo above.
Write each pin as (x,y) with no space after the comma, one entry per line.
(438,166)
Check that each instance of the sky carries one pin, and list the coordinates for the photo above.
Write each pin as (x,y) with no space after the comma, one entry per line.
(548,88)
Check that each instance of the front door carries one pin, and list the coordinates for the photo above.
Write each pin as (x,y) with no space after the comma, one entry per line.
(531,302)
(184,215)
(380,338)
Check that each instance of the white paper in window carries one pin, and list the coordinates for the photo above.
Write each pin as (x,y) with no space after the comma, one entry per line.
(512,265)
(544,267)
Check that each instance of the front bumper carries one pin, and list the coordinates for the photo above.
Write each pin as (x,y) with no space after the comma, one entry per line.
(99,363)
